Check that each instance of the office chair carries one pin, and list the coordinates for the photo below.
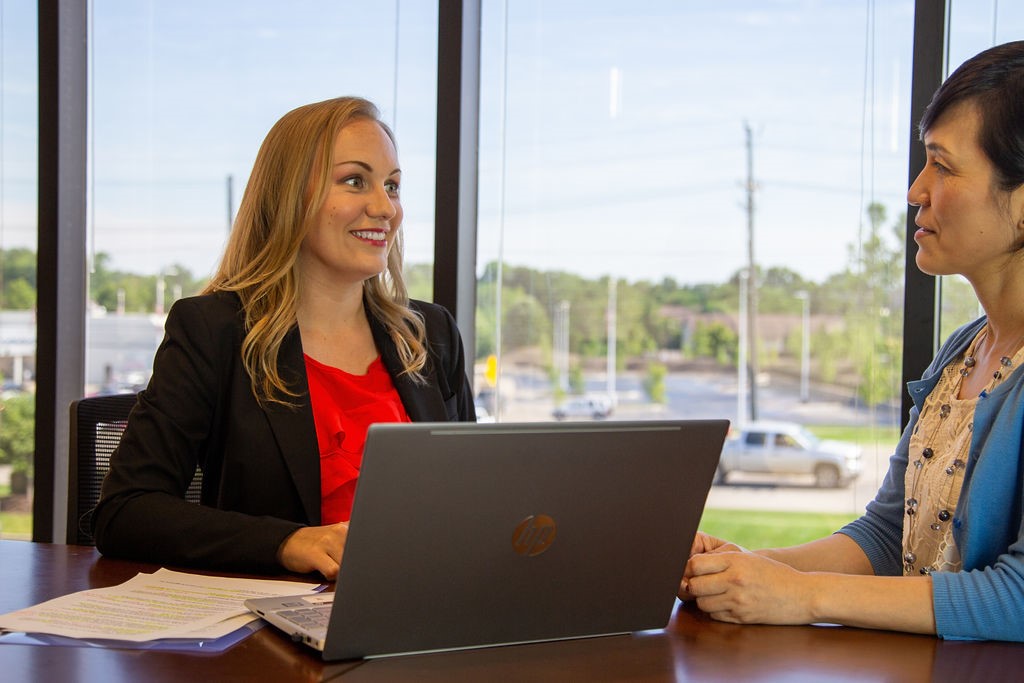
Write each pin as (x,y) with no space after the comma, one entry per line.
(97,423)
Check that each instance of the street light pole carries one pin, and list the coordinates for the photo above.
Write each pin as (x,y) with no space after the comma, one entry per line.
(741,356)
(752,284)
(805,346)
(611,322)
(562,345)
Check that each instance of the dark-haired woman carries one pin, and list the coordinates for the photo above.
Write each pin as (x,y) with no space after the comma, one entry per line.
(941,547)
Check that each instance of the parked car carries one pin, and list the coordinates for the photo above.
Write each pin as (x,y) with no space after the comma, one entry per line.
(597,407)
(787,448)
(482,414)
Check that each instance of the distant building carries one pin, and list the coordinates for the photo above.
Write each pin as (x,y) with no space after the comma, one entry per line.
(17,349)
(119,350)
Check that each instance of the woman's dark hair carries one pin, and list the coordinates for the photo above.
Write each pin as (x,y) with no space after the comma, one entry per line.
(994,81)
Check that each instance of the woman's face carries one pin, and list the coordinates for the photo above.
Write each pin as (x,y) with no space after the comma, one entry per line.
(966,224)
(360,217)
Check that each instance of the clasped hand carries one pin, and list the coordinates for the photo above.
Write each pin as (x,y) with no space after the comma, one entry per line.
(315,548)
(732,584)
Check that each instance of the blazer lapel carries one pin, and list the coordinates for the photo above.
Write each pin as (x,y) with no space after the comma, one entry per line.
(294,428)
(422,402)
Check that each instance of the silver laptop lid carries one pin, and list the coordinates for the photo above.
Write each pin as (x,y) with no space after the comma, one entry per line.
(465,535)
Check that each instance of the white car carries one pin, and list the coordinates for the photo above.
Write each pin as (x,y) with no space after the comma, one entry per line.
(482,415)
(597,407)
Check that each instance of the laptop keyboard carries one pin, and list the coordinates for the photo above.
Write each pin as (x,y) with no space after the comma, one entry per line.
(309,618)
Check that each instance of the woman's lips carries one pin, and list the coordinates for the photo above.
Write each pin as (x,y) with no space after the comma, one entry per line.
(377,237)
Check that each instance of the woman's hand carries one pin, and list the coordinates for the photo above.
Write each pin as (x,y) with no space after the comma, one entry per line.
(703,543)
(748,588)
(314,548)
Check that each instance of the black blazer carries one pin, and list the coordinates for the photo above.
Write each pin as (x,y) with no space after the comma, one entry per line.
(261,465)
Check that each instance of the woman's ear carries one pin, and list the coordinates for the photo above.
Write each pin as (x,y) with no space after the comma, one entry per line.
(1016,206)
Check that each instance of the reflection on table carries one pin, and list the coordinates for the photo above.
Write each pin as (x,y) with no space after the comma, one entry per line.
(691,648)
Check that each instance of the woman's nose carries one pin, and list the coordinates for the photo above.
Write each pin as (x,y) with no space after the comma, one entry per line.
(381,205)
(916,193)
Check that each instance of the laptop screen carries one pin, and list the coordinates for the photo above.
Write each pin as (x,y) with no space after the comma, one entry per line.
(466,535)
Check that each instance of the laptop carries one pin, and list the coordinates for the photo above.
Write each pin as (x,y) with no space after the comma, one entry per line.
(470,535)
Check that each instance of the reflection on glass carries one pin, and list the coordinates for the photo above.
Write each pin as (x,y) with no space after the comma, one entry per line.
(19,95)
(182,94)
(696,176)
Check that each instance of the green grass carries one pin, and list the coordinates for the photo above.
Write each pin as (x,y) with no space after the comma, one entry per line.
(16,525)
(749,528)
(856,433)
(754,529)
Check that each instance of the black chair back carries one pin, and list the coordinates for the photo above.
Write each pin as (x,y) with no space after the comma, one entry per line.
(97,423)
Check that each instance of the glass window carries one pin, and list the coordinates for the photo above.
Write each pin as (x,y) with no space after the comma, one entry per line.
(182,95)
(973,26)
(698,210)
(19,115)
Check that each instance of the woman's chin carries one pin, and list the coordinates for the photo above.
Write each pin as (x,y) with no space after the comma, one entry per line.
(929,266)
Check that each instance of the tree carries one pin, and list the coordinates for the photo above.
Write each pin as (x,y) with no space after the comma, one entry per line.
(17,429)
(19,295)
(108,286)
(654,382)
(18,282)
(876,323)
(717,341)
(419,281)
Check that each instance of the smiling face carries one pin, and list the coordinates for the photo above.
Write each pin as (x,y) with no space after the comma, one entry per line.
(359,220)
(966,224)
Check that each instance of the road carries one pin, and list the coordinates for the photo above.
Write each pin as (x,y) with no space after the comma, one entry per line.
(703,395)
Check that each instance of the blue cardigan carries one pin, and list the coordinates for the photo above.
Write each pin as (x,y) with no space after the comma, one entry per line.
(986,599)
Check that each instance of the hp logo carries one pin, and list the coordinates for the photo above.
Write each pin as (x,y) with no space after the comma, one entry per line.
(534,535)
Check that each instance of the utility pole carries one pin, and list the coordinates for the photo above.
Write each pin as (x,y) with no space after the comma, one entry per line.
(805,345)
(610,322)
(561,344)
(741,357)
(751,277)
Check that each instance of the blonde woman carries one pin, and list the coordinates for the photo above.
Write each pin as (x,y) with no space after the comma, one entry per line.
(269,379)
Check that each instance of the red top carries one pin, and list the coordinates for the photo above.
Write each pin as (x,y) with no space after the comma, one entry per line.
(344,407)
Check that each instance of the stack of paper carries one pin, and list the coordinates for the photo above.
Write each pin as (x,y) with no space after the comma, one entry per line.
(165,605)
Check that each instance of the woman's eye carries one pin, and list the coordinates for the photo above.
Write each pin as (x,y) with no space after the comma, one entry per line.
(352,181)
(939,168)
(392,187)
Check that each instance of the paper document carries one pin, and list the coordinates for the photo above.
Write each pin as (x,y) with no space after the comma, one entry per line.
(164,604)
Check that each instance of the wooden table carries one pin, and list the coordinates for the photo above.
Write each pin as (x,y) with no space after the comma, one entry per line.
(691,648)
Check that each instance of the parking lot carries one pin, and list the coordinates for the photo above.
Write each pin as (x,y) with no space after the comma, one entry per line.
(713,395)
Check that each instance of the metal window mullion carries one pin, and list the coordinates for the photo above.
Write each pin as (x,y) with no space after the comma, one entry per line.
(60,311)
(920,317)
(458,123)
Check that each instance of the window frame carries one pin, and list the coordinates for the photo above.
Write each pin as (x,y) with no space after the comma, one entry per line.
(920,292)
(63,93)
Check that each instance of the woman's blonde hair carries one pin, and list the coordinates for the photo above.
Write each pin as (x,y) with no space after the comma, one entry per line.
(282,199)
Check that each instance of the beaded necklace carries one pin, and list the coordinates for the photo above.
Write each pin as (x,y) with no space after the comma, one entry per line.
(941,440)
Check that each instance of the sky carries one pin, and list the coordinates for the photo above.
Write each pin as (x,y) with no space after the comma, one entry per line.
(615,145)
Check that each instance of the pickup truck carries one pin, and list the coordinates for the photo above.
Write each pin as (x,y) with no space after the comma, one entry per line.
(786,448)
